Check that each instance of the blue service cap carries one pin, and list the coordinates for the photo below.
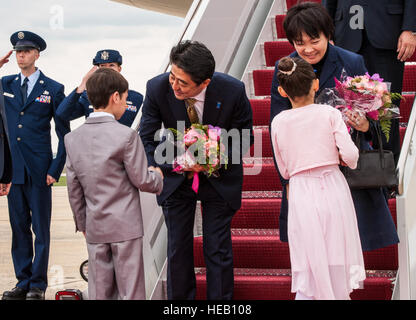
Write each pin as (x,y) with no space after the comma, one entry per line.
(107,56)
(22,40)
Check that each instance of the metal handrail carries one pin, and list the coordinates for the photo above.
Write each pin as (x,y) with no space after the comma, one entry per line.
(406,148)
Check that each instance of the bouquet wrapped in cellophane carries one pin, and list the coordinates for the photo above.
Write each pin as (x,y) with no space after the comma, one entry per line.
(365,94)
(201,146)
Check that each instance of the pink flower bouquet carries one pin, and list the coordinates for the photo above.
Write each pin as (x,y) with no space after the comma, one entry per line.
(368,95)
(201,146)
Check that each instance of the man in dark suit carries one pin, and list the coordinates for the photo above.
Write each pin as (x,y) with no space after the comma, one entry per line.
(383,32)
(192,92)
(5,156)
(31,100)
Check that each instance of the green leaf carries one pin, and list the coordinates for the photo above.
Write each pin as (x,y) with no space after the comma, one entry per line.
(385,125)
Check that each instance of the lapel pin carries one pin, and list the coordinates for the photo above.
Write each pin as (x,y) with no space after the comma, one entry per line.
(45,92)
(17,78)
(8,94)
(41,82)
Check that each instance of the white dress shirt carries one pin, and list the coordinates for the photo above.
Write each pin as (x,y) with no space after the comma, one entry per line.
(199,104)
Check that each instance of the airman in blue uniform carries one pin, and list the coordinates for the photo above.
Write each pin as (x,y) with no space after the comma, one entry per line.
(77,104)
(31,100)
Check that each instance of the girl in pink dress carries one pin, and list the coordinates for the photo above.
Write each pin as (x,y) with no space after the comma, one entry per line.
(310,141)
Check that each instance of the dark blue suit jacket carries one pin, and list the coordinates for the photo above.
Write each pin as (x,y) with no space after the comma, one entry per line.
(76,105)
(384,21)
(5,156)
(226,106)
(29,128)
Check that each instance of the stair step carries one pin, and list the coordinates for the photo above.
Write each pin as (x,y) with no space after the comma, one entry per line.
(261,138)
(278,19)
(262,82)
(257,214)
(406,106)
(409,78)
(261,211)
(252,248)
(275,50)
(262,248)
(275,284)
(263,176)
(261,111)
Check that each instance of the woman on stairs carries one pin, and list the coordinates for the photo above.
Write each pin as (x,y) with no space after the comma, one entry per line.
(308,28)
(325,249)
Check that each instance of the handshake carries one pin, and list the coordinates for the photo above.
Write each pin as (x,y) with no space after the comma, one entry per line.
(157,169)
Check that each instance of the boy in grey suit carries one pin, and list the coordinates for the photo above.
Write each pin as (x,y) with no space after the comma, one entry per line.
(106,167)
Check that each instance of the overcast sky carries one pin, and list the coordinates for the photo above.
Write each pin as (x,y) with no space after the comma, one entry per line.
(75,30)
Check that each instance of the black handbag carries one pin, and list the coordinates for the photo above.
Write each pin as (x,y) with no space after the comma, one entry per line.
(375,168)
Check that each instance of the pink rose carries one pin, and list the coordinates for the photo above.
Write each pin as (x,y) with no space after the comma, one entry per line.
(192,136)
(211,146)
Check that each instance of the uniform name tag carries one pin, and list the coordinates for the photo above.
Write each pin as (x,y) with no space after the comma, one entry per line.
(8,94)
(43,99)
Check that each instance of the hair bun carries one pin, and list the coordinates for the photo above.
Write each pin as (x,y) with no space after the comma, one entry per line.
(287,65)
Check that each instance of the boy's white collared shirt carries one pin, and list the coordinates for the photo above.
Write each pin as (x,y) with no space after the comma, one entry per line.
(96,114)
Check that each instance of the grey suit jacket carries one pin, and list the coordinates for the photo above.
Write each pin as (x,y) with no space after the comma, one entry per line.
(106,167)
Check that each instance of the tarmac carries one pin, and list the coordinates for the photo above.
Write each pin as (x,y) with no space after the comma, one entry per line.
(67,250)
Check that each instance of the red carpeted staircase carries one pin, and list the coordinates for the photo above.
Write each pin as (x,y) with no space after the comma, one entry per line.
(261,260)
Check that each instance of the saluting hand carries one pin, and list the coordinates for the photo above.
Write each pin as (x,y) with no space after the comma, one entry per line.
(83,84)
(5,59)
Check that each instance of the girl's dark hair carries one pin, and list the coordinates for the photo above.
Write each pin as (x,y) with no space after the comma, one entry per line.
(309,17)
(102,84)
(297,83)
(195,59)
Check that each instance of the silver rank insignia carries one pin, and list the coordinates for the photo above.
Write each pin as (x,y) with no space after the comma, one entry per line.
(105,55)
(21,35)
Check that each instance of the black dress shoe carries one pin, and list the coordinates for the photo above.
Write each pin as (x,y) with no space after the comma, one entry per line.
(35,294)
(15,294)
